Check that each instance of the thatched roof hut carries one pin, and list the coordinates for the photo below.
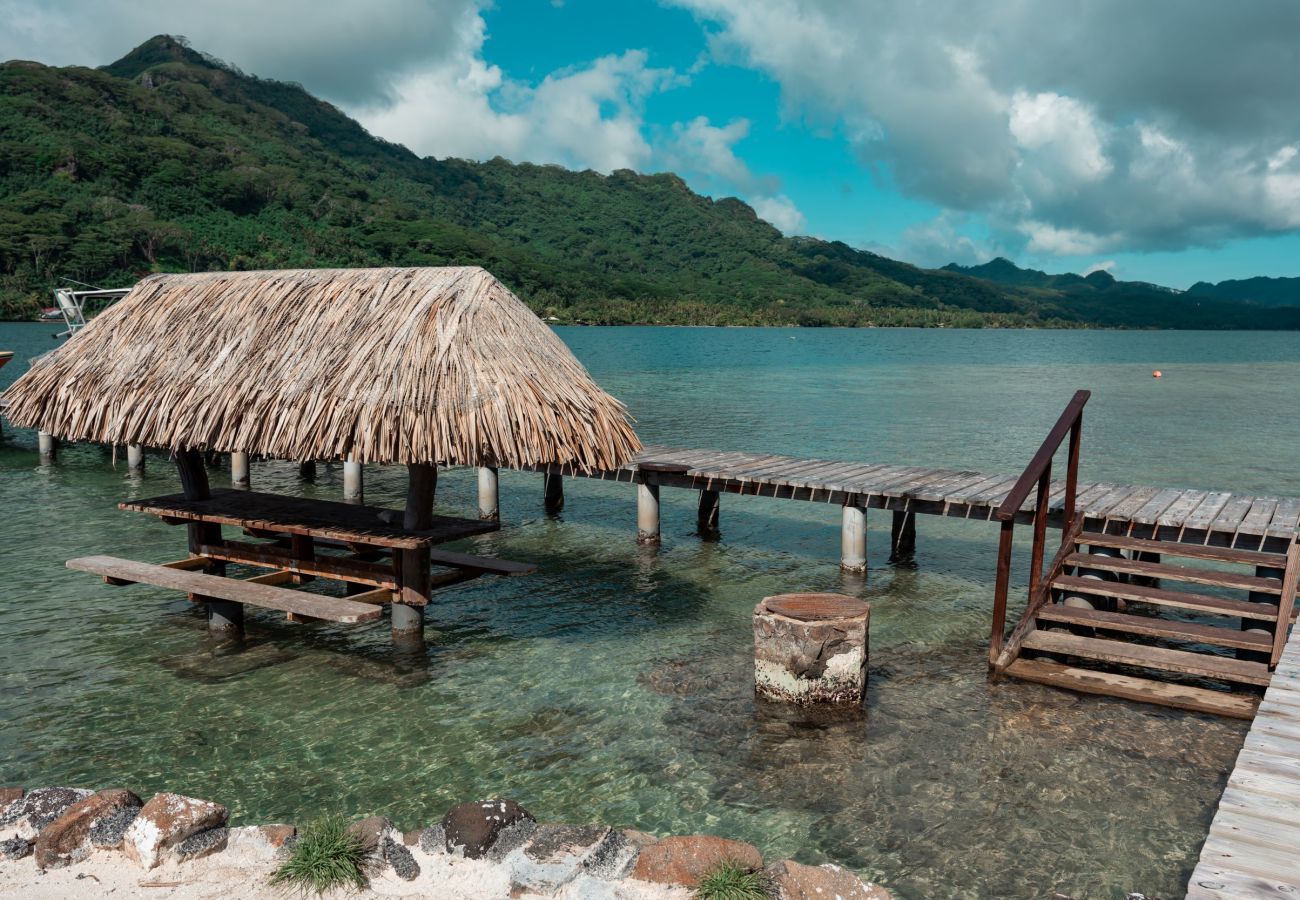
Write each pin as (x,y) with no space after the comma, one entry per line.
(396,365)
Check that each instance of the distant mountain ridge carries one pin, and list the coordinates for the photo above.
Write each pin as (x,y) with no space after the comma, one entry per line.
(1262,290)
(170,160)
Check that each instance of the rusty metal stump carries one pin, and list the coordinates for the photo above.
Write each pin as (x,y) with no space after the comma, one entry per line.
(811,648)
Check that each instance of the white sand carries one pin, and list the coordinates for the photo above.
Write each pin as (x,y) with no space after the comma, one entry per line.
(242,873)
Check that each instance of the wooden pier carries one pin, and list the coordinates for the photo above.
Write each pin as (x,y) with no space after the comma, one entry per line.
(1251,848)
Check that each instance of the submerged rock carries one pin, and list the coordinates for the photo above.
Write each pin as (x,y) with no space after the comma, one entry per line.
(685,860)
(473,828)
(67,839)
(795,881)
(167,820)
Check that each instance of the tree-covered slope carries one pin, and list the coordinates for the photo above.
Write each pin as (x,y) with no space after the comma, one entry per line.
(1264,291)
(169,160)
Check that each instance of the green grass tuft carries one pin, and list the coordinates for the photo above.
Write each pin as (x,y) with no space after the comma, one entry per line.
(730,881)
(325,856)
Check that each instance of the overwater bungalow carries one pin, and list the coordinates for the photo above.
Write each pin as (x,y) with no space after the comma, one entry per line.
(419,367)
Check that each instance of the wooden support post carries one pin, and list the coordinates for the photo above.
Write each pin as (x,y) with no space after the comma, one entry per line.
(489,494)
(225,619)
(240,477)
(414,565)
(353,489)
(134,459)
(707,519)
(1261,625)
(47,446)
(647,513)
(902,537)
(553,483)
(853,539)
(307,470)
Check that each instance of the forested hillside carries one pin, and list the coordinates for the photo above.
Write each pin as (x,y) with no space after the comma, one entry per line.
(170,161)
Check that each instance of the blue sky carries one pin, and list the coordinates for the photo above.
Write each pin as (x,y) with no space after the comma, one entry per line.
(1160,140)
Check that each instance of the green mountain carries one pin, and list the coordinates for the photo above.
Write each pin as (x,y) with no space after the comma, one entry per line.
(169,160)
(1264,291)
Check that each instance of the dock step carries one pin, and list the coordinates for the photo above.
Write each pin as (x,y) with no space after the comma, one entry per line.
(299,603)
(1128,687)
(1150,626)
(1187,574)
(1219,606)
(1189,551)
(1143,656)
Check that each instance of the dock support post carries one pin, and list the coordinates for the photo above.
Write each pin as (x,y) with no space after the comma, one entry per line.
(240,477)
(647,513)
(1259,624)
(47,446)
(413,593)
(902,537)
(710,509)
(553,485)
(307,470)
(353,489)
(853,539)
(489,494)
(134,459)
(225,619)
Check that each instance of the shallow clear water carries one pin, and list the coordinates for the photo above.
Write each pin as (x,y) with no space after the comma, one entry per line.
(614,685)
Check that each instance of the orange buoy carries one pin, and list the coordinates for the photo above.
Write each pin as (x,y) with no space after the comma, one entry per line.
(1156,374)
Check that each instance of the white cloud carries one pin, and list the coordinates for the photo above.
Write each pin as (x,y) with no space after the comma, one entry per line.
(1105,266)
(1067,132)
(942,240)
(781,212)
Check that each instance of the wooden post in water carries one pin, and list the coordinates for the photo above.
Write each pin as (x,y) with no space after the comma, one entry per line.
(414,565)
(647,512)
(225,619)
(1261,625)
(353,489)
(240,477)
(853,539)
(489,494)
(553,486)
(134,459)
(707,519)
(902,537)
(47,446)
(307,470)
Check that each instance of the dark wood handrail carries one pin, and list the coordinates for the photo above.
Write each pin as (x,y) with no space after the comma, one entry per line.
(1043,458)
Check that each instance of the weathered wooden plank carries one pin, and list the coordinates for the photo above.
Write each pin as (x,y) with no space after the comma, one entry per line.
(1122,653)
(235,590)
(273,557)
(1123,510)
(962,495)
(1257,520)
(1189,574)
(1229,518)
(1128,687)
(1174,549)
(1150,512)
(1211,882)
(1205,513)
(1100,509)
(1181,508)
(1286,518)
(939,491)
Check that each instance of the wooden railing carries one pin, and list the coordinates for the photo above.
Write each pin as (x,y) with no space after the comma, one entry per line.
(1003,649)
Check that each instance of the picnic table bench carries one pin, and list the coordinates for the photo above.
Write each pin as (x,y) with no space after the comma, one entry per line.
(374,564)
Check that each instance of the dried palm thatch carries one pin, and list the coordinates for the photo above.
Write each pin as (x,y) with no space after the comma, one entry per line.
(398,365)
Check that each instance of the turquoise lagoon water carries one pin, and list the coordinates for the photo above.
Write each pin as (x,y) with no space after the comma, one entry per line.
(614,685)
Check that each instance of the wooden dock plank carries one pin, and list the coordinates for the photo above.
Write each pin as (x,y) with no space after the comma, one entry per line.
(1207,511)
(1259,517)
(1286,518)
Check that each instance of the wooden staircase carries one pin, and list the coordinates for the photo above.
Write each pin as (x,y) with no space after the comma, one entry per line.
(1158,621)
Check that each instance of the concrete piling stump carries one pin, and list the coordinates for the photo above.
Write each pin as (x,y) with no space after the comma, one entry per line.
(811,648)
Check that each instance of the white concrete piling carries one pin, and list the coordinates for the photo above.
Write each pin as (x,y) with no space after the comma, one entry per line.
(47,446)
(134,459)
(353,488)
(489,494)
(647,513)
(240,476)
(853,539)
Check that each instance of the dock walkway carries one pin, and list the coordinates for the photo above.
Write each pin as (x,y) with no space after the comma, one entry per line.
(1251,848)
(1215,518)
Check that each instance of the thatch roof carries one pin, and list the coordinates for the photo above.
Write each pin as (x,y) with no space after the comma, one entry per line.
(391,365)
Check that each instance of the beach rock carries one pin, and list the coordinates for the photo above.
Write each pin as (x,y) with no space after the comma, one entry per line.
(796,881)
(265,841)
(277,835)
(372,831)
(41,807)
(167,820)
(8,797)
(67,839)
(403,862)
(433,840)
(614,856)
(474,828)
(15,848)
(203,843)
(411,838)
(553,856)
(685,860)
(107,833)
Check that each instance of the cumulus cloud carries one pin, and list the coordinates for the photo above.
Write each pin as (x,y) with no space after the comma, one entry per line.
(1072,128)
(781,212)
(346,50)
